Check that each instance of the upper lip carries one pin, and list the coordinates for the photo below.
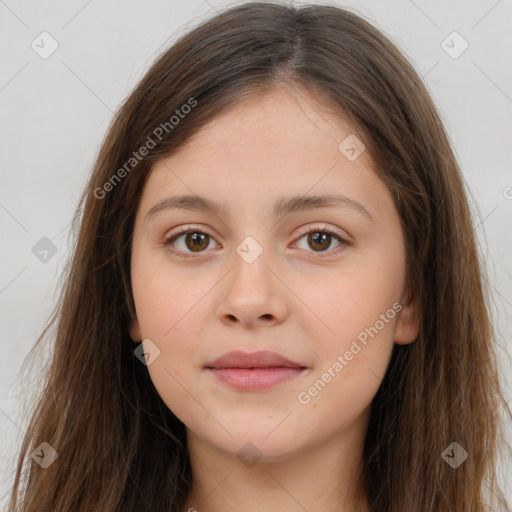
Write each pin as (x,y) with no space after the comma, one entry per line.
(260,359)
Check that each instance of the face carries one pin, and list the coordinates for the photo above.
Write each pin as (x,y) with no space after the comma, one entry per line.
(319,283)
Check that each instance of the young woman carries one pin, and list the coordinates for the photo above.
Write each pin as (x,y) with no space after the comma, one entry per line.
(275,301)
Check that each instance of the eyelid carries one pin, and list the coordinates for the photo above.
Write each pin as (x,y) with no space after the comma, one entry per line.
(187,229)
(323,227)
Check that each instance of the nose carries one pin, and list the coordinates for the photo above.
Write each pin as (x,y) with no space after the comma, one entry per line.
(253,295)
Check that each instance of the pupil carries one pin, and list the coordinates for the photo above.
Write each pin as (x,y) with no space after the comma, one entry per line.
(198,241)
(318,238)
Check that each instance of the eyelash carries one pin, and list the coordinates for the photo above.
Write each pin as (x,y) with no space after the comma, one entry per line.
(183,231)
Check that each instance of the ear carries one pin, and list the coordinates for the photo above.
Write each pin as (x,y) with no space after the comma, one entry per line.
(135,333)
(407,325)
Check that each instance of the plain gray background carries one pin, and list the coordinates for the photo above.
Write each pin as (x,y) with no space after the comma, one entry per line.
(56,110)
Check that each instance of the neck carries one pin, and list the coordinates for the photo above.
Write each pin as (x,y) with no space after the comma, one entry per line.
(327,477)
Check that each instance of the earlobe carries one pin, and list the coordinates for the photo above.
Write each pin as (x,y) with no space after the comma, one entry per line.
(135,333)
(407,326)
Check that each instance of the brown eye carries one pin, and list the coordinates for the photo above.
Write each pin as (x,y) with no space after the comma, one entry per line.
(187,242)
(196,242)
(319,240)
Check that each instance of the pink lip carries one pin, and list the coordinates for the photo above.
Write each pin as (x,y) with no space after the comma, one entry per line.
(253,371)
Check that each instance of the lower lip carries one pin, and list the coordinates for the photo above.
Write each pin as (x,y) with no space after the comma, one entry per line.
(255,379)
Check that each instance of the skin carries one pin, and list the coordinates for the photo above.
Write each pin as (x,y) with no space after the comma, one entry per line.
(296,299)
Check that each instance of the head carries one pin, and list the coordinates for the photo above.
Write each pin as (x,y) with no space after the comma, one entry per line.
(258,104)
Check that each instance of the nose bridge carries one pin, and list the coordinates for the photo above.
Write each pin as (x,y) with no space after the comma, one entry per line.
(251,276)
(252,291)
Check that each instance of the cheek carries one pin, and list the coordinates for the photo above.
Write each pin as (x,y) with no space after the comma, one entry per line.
(353,363)
(360,309)
(350,303)
(166,297)
(168,317)
(173,306)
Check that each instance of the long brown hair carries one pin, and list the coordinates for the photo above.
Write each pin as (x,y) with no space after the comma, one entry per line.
(119,447)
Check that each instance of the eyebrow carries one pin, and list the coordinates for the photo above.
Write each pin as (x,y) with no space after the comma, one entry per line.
(282,206)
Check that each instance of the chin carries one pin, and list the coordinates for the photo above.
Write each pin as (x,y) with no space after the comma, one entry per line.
(255,445)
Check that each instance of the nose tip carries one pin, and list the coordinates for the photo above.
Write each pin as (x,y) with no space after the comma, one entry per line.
(252,295)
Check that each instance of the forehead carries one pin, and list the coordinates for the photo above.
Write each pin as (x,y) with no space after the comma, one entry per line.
(282,117)
(281,142)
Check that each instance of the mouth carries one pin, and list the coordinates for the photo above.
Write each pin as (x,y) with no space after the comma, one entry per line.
(254,371)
